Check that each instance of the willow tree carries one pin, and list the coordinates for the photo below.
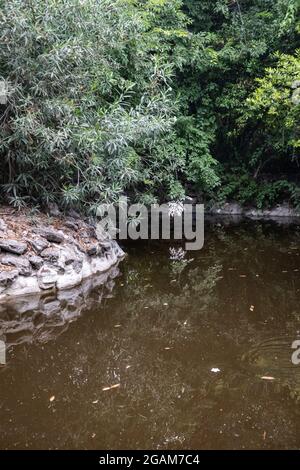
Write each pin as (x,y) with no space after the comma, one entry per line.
(88,99)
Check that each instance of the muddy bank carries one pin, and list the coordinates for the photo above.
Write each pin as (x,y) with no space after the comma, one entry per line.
(49,252)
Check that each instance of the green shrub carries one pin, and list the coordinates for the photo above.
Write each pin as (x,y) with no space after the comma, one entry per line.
(242,187)
(89,99)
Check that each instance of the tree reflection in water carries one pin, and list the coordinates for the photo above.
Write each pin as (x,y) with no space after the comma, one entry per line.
(188,336)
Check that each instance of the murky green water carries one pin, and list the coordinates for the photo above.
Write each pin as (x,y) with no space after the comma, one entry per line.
(197,345)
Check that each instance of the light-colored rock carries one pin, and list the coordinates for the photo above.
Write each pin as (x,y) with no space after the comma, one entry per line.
(69,280)
(20,263)
(53,260)
(280,211)
(51,234)
(36,261)
(13,246)
(3,225)
(66,271)
(229,208)
(92,249)
(51,254)
(235,209)
(7,277)
(47,278)
(21,286)
(39,244)
(254,213)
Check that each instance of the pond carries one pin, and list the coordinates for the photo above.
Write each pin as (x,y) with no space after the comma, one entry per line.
(173,350)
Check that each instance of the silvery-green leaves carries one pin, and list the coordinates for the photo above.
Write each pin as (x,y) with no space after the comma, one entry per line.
(90,99)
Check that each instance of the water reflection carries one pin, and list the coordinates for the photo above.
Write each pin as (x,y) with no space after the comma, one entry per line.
(199,345)
(42,318)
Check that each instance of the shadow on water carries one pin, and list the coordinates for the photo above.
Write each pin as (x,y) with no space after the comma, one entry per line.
(197,345)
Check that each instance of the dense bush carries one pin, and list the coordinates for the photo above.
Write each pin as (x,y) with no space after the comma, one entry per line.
(89,100)
(274,108)
(237,89)
(149,98)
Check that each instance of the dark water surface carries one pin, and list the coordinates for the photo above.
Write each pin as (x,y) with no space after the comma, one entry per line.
(197,345)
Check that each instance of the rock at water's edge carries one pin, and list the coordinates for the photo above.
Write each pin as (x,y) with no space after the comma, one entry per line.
(52,235)
(54,258)
(13,246)
(235,209)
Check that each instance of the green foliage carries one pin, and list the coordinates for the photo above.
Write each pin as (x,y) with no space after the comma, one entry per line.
(236,88)
(241,187)
(196,140)
(149,98)
(274,104)
(89,100)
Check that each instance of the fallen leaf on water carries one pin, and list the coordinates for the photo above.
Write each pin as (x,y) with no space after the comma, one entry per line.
(95,402)
(52,398)
(111,387)
(117,326)
(266,377)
